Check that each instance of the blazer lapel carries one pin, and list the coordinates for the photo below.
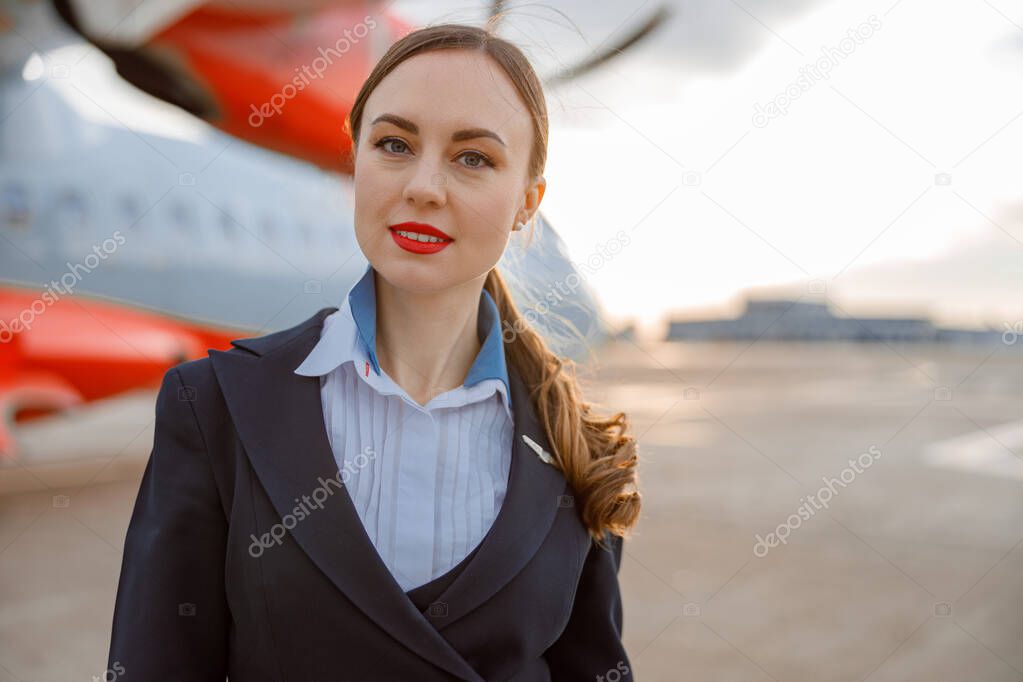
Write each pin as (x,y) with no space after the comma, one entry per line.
(535,492)
(279,418)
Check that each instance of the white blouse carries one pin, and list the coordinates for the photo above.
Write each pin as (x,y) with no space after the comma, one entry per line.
(427,480)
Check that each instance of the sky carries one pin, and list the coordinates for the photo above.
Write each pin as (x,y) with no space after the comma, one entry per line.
(892,185)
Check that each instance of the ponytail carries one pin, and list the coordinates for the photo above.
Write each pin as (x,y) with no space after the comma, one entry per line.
(593,451)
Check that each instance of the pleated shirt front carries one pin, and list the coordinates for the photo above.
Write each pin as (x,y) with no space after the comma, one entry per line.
(427,480)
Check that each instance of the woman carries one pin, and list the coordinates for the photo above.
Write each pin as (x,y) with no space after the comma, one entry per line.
(321,504)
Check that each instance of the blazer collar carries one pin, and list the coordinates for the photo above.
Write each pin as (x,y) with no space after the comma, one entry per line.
(279,418)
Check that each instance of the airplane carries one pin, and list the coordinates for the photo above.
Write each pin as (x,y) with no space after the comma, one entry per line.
(279,75)
(134,235)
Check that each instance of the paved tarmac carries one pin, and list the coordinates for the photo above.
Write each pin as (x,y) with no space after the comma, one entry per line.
(907,566)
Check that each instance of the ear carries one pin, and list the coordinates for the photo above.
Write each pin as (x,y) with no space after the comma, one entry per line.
(534,195)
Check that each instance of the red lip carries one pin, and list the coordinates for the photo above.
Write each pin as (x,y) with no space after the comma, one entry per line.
(414,245)
(421,228)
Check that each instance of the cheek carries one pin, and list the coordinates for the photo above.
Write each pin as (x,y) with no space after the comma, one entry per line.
(369,200)
(488,211)
(487,237)
(366,219)
(366,182)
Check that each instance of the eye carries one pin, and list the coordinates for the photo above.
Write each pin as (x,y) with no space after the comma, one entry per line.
(384,140)
(483,162)
(481,159)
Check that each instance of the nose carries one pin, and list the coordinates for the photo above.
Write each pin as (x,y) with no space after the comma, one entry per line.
(427,185)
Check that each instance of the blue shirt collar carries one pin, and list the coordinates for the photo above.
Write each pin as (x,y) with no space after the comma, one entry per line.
(490,362)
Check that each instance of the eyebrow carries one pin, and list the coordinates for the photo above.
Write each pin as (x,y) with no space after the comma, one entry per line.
(457,136)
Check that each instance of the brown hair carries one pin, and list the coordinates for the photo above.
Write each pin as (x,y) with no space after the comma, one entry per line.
(596,455)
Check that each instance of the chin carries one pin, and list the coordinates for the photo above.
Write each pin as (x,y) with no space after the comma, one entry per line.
(412,273)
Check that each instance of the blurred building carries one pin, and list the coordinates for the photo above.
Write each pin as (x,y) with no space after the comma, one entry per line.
(790,320)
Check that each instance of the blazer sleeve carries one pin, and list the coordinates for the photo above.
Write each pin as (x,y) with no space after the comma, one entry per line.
(591,645)
(171,617)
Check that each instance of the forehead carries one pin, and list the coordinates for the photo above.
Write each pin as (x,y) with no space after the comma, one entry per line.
(446,90)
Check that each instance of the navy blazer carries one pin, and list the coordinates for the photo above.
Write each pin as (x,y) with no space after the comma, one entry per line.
(239,440)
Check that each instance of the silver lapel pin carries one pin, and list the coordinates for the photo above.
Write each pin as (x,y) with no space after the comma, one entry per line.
(541,453)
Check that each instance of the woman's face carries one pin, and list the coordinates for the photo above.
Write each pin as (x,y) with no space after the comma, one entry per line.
(445,142)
